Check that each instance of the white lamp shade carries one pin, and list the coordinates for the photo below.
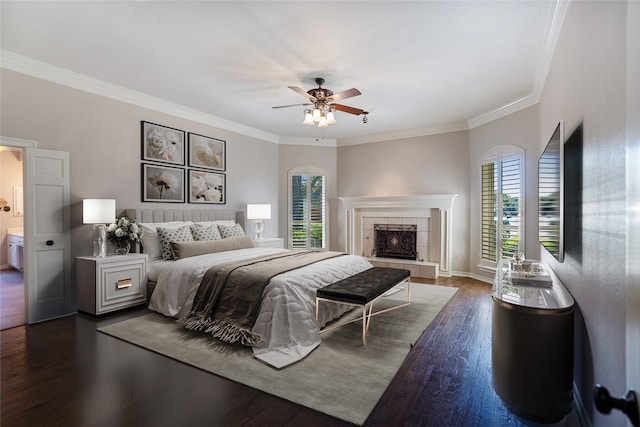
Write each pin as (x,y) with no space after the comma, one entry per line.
(98,211)
(308,120)
(259,211)
(331,118)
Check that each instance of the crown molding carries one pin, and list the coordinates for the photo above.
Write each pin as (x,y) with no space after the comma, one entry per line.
(552,33)
(24,65)
(409,133)
(315,142)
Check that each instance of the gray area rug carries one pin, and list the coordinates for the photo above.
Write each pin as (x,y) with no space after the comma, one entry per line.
(341,377)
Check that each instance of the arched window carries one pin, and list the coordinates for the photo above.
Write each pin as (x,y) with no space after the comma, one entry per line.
(502,180)
(307,208)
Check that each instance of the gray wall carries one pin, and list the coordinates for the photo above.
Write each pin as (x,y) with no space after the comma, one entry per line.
(520,129)
(434,164)
(102,136)
(586,85)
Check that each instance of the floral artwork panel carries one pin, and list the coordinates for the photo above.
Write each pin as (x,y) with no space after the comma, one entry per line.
(162,184)
(207,187)
(207,153)
(162,144)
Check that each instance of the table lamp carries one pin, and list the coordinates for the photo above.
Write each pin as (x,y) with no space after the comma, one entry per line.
(99,212)
(259,213)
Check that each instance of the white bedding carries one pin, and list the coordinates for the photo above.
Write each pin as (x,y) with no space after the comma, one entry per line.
(286,321)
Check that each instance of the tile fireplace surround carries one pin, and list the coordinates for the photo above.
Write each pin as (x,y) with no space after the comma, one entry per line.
(431,212)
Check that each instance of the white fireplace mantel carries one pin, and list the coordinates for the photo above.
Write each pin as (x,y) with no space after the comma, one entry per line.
(357,206)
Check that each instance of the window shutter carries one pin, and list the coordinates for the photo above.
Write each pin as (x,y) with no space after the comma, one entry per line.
(307,221)
(298,214)
(502,209)
(489,212)
(510,209)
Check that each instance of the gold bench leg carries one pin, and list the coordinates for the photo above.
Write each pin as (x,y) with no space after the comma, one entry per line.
(366,317)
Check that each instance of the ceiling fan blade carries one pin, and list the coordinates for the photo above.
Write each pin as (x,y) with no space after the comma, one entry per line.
(347,109)
(292,105)
(300,91)
(345,94)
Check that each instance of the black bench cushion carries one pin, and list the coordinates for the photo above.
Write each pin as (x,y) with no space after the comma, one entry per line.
(365,286)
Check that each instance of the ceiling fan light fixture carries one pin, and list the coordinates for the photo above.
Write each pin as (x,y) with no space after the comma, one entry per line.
(323,109)
(308,119)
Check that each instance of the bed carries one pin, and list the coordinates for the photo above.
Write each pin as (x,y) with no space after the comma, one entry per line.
(284,318)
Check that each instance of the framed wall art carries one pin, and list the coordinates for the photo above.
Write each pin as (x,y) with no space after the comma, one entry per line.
(207,187)
(162,184)
(207,153)
(162,144)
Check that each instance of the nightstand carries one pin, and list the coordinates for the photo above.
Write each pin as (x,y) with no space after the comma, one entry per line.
(111,283)
(269,242)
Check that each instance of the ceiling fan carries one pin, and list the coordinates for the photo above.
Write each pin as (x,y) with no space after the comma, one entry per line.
(323,103)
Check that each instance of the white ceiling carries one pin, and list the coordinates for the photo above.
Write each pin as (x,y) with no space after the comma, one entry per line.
(422,66)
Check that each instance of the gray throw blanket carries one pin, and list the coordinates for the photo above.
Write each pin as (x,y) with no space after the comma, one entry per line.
(227,302)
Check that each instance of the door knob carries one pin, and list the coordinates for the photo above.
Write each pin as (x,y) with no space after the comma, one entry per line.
(49,242)
(627,404)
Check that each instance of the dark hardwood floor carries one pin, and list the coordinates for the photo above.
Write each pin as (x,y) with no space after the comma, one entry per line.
(12,312)
(64,373)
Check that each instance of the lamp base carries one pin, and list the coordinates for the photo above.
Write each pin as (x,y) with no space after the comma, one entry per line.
(259,229)
(99,240)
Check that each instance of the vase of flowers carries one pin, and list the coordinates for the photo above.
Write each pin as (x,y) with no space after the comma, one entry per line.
(123,233)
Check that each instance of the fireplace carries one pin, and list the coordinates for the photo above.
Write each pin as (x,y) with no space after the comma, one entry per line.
(396,241)
(431,213)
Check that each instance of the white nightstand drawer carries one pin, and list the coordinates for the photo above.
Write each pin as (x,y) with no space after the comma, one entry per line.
(122,286)
(111,283)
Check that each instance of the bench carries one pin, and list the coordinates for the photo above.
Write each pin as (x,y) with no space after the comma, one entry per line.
(363,290)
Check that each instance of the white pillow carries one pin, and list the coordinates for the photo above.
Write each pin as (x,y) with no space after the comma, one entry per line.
(150,240)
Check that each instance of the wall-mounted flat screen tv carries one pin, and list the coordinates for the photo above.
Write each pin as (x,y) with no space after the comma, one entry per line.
(550,195)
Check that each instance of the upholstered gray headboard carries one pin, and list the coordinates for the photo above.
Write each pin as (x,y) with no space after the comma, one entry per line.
(167,215)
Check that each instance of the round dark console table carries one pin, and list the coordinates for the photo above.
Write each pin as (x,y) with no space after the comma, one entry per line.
(532,341)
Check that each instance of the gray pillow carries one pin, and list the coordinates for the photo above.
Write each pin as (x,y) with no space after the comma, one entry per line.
(189,249)
(233,231)
(201,232)
(167,236)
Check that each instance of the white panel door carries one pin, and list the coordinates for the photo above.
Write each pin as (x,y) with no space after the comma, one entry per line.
(49,289)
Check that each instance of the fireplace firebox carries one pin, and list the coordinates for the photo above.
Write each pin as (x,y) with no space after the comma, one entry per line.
(396,241)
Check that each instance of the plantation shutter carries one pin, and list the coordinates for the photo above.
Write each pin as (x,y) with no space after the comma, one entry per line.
(502,209)
(510,209)
(489,214)
(307,219)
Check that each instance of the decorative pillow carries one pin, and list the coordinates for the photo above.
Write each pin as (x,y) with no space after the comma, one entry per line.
(150,240)
(230,231)
(168,235)
(189,249)
(201,232)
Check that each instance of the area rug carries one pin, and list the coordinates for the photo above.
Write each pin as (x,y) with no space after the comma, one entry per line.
(342,377)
